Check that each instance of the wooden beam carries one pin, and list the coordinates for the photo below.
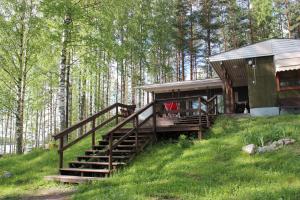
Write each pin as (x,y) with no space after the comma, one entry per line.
(228,92)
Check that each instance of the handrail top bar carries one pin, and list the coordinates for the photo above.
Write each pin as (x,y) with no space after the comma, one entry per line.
(89,119)
(131,131)
(185,98)
(125,121)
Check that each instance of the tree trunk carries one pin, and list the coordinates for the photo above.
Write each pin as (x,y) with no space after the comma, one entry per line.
(287,13)
(68,89)
(62,75)
(6,132)
(191,43)
(250,22)
(37,129)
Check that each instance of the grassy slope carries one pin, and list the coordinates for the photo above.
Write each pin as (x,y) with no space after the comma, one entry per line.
(29,170)
(210,169)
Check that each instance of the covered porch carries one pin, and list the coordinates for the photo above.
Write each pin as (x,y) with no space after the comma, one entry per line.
(186,106)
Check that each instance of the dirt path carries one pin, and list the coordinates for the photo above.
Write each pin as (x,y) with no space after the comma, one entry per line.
(51,194)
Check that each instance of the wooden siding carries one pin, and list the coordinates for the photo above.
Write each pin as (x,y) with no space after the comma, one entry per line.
(263,93)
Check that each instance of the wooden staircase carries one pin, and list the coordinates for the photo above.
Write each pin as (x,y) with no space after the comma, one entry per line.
(116,148)
(95,162)
(126,139)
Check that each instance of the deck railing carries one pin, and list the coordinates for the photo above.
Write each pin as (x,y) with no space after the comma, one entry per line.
(64,136)
(137,123)
(205,107)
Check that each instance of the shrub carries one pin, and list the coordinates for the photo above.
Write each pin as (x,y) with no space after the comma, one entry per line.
(184,141)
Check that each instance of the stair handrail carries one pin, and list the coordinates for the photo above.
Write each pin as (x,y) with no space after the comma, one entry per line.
(135,116)
(63,143)
(214,101)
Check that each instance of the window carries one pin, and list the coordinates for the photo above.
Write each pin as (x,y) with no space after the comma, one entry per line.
(288,80)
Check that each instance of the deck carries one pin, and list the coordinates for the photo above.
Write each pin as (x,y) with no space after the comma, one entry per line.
(133,131)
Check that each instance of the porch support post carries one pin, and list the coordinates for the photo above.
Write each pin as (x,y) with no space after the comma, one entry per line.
(228,92)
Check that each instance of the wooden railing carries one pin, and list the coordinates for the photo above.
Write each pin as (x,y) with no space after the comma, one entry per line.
(63,136)
(211,108)
(137,124)
(210,105)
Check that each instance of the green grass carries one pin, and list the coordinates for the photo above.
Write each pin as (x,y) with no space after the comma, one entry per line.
(214,168)
(29,170)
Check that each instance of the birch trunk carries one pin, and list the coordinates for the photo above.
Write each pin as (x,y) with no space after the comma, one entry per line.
(62,75)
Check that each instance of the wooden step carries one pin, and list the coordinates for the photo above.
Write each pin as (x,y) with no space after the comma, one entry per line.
(116,151)
(87,157)
(131,137)
(82,170)
(80,163)
(126,130)
(101,142)
(102,147)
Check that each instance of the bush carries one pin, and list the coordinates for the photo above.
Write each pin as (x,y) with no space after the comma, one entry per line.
(184,141)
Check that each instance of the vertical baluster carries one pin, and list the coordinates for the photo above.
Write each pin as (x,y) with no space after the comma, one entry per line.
(117,114)
(110,152)
(61,152)
(93,133)
(154,120)
(200,119)
(136,126)
(200,112)
(217,105)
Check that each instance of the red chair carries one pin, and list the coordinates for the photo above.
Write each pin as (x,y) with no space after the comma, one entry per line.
(171,107)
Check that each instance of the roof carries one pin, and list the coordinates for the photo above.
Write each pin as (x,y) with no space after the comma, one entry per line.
(287,61)
(266,48)
(184,85)
(286,54)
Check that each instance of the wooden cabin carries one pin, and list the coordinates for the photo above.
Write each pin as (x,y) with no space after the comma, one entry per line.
(260,79)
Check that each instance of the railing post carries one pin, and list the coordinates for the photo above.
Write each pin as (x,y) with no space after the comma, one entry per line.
(154,120)
(217,106)
(93,133)
(117,114)
(136,126)
(61,152)
(110,152)
(200,119)
(200,112)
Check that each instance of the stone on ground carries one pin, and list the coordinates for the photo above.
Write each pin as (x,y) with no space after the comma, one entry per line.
(249,149)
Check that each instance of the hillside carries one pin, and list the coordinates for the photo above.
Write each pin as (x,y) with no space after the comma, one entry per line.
(214,168)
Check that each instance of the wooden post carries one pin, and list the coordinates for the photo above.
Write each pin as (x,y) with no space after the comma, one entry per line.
(93,133)
(110,152)
(154,120)
(117,114)
(61,152)
(200,119)
(136,126)
(217,106)
(187,107)
(207,121)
